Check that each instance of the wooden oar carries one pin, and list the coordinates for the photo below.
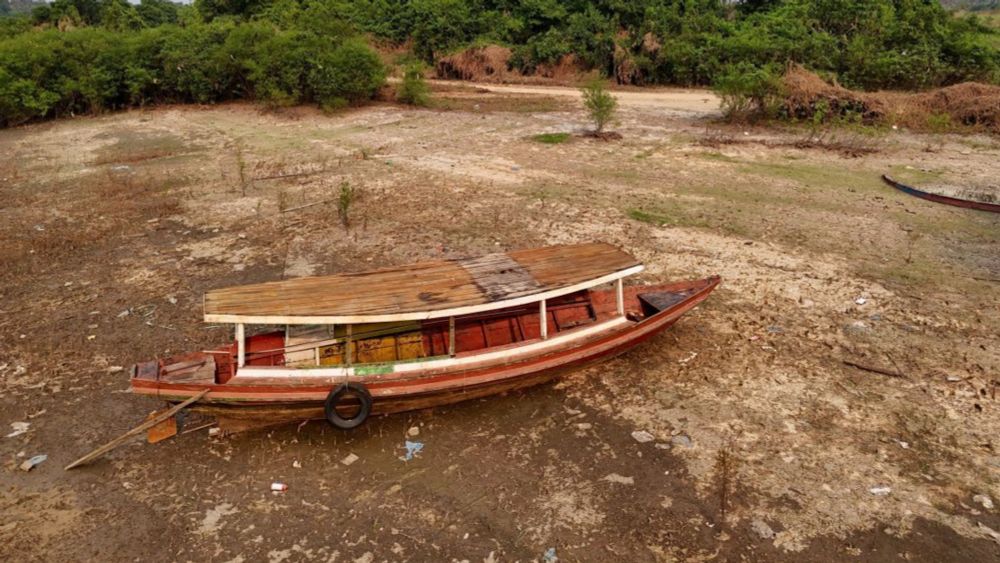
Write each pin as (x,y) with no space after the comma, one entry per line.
(135,431)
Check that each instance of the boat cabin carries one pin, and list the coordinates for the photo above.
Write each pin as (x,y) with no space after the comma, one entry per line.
(421,315)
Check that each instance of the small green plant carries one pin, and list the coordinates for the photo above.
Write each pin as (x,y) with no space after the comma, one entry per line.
(551,138)
(599,103)
(939,123)
(749,92)
(413,90)
(348,194)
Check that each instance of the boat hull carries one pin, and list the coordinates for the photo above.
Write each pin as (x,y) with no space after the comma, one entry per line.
(245,405)
(957,202)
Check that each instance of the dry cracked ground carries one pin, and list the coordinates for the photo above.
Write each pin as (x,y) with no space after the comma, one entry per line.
(765,444)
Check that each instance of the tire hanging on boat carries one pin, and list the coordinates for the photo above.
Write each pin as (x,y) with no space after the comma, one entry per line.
(335,397)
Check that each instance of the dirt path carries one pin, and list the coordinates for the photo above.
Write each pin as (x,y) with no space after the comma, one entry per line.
(693,102)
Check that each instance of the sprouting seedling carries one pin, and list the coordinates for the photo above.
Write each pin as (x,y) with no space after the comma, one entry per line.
(347,196)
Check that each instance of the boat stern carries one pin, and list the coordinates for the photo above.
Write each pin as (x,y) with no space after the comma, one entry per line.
(663,298)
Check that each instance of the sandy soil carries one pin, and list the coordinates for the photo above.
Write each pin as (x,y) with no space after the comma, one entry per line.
(767,445)
(692,102)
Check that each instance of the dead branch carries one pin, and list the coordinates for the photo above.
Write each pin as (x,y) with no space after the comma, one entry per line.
(881,371)
(306,205)
(293,175)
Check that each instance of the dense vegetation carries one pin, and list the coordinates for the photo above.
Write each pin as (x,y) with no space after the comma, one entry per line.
(88,56)
(76,56)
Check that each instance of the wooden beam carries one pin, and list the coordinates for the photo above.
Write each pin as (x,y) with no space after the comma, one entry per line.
(542,317)
(620,287)
(136,431)
(451,336)
(241,346)
(348,357)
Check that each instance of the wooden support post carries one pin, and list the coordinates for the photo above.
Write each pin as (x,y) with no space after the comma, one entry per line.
(137,430)
(347,346)
(241,346)
(316,354)
(543,318)
(620,286)
(451,336)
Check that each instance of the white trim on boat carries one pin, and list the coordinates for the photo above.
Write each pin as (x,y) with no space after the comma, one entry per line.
(420,315)
(248,372)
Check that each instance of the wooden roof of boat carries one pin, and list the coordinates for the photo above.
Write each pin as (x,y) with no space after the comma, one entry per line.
(424,290)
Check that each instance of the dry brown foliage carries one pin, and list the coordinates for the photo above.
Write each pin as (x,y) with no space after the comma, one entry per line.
(483,64)
(967,104)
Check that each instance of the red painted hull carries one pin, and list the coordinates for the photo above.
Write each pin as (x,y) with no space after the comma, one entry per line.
(966,203)
(280,399)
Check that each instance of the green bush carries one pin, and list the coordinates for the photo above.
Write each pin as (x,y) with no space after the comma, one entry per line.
(49,73)
(413,89)
(349,74)
(749,92)
(600,104)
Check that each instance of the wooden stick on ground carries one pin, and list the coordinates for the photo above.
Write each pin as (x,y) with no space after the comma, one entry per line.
(135,431)
(881,371)
(306,205)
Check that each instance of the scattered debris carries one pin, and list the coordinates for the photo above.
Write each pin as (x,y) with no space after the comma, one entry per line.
(880,491)
(412,449)
(115,369)
(19,428)
(550,556)
(861,300)
(351,458)
(857,327)
(296,464)
(213,432)
(682,440)
(413,431)
(30,464)
(279,487)
(761,528)
(775,329)
(620,479)
(689,358)
(990,532)
(984,500)
(642,436)
(584,426)
(881,371)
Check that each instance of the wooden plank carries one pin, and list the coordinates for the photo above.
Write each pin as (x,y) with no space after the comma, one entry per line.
(424,290)
(137,430)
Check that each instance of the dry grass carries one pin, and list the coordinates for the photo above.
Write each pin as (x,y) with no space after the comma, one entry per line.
(968,104)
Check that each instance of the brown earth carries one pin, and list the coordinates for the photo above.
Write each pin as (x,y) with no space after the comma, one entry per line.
(767,446)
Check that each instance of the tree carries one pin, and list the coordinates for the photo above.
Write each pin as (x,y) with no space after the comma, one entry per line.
(413,90)
(599,103)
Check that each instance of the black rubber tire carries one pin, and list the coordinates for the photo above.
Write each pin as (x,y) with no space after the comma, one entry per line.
(330,406)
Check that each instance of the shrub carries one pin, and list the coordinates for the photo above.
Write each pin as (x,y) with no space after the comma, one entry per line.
(51,73)
(749,92)
(413,90)
(599,103)
(349,74)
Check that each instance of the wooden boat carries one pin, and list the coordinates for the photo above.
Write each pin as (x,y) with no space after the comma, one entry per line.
(344,346)
(967,203)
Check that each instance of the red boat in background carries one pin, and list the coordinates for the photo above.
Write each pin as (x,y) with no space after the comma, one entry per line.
(345,346)
(938,198)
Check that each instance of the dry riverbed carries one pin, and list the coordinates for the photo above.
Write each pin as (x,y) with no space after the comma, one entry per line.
(765,444)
